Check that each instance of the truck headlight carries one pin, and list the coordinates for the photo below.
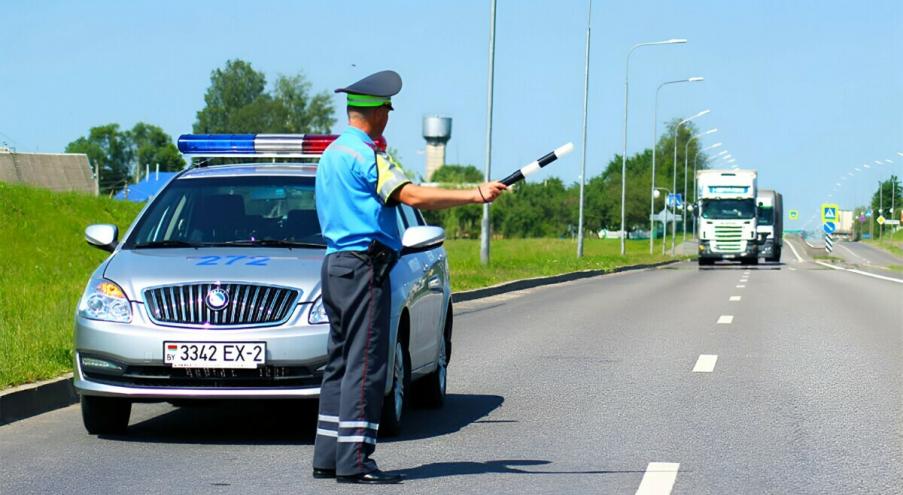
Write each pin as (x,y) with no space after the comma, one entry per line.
(318,313)
(104,300)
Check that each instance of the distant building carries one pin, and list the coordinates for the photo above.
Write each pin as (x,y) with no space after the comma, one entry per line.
(436,132)
(147,188)
(54,171)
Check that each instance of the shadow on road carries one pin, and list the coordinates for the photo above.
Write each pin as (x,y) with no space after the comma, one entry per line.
(440,469)
(764,265)
(286,422)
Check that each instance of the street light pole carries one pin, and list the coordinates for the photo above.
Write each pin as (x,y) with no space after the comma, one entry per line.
(589,16)
(655,194)
(674,171)
(484,224)
(686,164)
(654,146)
(624,156)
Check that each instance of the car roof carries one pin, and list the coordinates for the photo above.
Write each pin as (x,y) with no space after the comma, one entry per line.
(251,169)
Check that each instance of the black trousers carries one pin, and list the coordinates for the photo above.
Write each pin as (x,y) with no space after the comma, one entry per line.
(354,379)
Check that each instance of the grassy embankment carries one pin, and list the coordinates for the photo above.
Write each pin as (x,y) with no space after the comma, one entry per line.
(45,264)
(890,243)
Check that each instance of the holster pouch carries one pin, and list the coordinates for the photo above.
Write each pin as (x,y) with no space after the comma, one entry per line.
(382,258)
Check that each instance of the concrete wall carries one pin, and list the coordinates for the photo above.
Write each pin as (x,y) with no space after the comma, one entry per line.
(54,171)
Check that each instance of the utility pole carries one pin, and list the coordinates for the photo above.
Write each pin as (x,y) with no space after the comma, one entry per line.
(589,16)
(484,225)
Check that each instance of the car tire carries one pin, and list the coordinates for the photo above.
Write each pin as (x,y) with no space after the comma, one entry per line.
(105,415)
(431,389)
(394,404)
(706,262)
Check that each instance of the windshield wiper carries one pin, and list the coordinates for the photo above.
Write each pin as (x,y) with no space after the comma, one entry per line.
(166,244)
(272,243)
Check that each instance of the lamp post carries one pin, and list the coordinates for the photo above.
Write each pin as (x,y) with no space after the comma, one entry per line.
(654,146)
(674,167)
(589,16)
(484,223)
(686,164)
(656,194)
(695,161)
(674,41)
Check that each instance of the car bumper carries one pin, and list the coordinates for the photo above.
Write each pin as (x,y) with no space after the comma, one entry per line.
(749,250)
(295,357)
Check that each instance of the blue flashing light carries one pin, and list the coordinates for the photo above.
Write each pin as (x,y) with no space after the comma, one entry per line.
(195,144)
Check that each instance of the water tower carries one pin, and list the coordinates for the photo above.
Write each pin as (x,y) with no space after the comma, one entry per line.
(437,132)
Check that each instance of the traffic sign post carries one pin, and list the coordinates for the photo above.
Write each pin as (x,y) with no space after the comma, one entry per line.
(793,214)
(829,212)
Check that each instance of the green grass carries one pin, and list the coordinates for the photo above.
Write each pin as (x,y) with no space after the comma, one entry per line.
(824,257)
(890,243)
(44,266)
(896,268)
(513,259)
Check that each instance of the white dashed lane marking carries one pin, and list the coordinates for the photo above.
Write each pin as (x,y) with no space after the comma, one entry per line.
(741,286)
(725,319)
(734,298)
(705,363)
(658,479)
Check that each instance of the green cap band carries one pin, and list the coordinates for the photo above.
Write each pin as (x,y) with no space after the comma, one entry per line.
(356,100)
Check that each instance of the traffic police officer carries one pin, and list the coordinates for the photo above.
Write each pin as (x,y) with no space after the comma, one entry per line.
(357,189)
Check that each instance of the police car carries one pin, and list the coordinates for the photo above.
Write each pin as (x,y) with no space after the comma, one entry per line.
(214,291)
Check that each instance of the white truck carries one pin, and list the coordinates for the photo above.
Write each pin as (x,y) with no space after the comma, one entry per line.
(726,205)
(844,225)
(770,223)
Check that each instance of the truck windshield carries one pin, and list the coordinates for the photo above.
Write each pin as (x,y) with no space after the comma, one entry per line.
(262,211)
(728,209)
(766,215)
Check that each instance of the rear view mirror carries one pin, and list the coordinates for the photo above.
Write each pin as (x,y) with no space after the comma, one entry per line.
(421,238)
(104,236)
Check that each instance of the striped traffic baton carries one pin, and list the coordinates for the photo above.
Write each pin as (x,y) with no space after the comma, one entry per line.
(535,165)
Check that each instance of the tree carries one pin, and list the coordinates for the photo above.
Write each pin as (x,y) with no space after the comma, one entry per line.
(154,147)
(237,102)
(109,150)
(464,221)
(886,201)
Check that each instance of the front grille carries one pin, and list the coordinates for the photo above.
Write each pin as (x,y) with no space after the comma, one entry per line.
(728,239)
(167,377)
(248,304)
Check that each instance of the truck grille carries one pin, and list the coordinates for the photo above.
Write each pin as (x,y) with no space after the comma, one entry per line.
(246,304)
(728,239)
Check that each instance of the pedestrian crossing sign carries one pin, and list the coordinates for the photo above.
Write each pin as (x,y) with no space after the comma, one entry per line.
(829,212)
(794,215)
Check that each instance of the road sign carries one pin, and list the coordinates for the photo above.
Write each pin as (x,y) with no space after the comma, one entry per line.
(891,222)
(794,215)
(830,227)
(881,220)
(861,218)
(829,242)
(675,200)
(829,212)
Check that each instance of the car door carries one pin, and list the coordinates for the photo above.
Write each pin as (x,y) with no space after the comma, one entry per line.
(431,311)
(412,274)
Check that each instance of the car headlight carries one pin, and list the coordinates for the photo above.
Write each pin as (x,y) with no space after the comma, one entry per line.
(318,313)
(104,300)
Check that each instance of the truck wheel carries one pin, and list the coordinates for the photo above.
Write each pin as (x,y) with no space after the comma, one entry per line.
(777,255)
(706,261)
(394,403)
(105,415)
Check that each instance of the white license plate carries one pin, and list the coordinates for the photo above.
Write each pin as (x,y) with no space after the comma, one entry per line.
(214,354)
(729,256)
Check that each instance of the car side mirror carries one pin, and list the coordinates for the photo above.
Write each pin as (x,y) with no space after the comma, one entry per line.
(103,235)
(421,238)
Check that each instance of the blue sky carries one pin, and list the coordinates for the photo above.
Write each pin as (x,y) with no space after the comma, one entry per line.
(803,91)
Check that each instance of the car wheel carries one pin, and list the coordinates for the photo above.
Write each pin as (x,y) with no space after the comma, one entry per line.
(394,404)
(105,415)
(432,387)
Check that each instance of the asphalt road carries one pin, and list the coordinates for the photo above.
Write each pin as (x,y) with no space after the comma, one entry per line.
(584,387)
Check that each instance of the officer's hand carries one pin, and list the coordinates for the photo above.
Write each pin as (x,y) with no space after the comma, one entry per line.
(487,192)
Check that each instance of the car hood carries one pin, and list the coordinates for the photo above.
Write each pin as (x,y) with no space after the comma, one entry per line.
(136,270)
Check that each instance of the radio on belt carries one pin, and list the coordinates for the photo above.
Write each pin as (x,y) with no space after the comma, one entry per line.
(535,165)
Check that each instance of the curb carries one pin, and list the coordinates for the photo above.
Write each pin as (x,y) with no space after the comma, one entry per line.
(530,283)
(36,398)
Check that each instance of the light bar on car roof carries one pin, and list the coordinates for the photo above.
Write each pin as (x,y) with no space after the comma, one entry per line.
(259,145)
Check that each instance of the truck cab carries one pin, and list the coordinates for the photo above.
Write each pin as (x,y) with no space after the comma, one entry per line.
(770,223)
(727,216)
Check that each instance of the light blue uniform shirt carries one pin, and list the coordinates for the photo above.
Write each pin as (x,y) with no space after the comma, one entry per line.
(353,189)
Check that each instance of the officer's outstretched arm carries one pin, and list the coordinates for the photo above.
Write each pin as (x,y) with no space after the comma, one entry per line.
(434,198)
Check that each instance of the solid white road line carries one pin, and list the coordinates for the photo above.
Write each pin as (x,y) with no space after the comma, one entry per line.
(734,298)
(741,286)
(799,259)
(725,319)
(860,272)
(658,479)
(705,363)
(854,254)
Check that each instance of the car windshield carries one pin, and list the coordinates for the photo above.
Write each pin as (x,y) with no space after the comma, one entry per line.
(729,209)
(256,211)
(766,215)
